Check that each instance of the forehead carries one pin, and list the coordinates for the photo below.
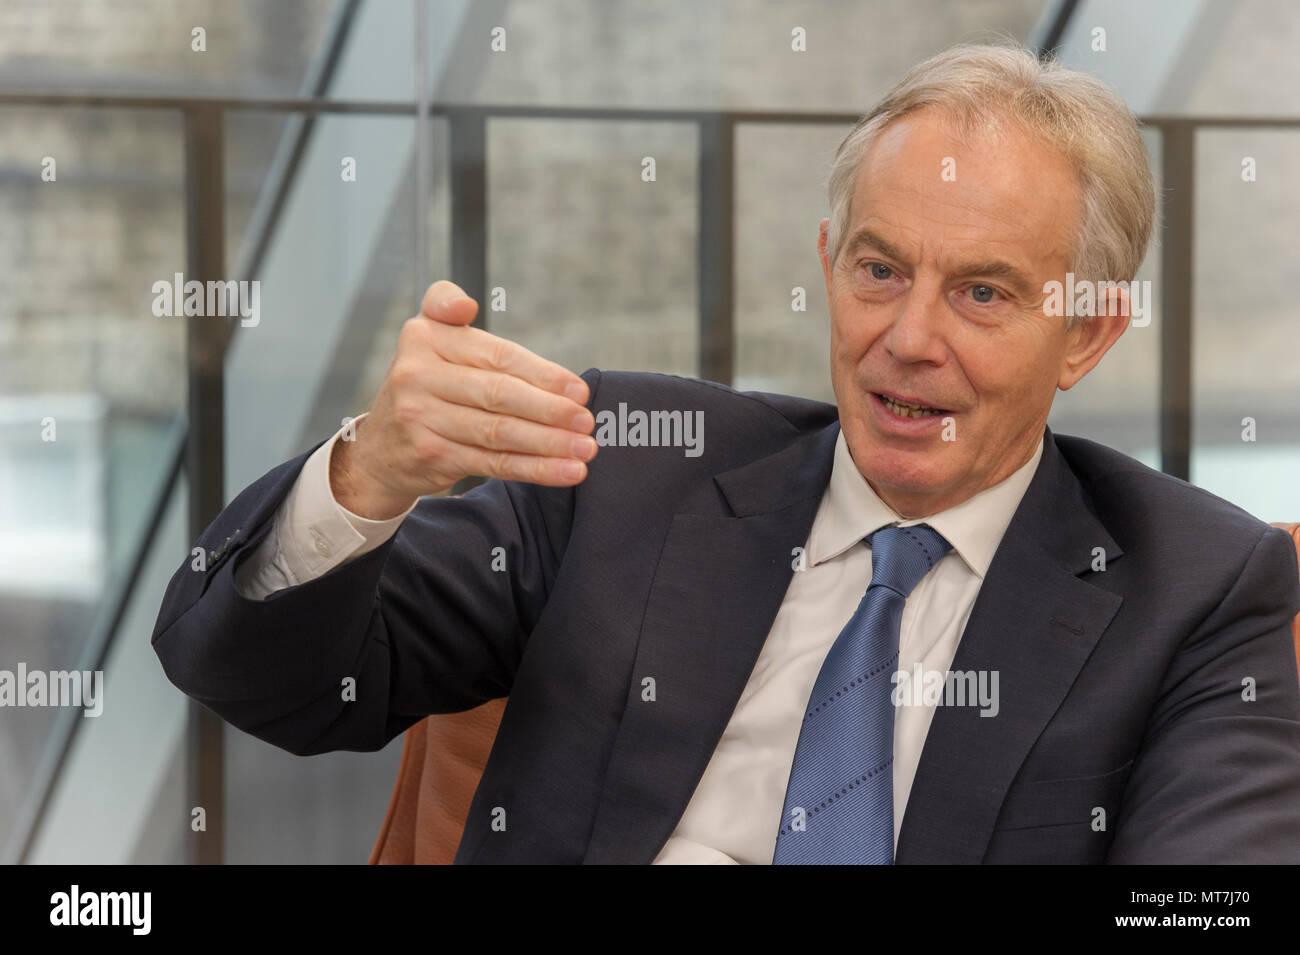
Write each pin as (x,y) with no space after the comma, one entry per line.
(932,190)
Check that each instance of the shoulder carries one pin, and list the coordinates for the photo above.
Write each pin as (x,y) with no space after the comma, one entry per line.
(749,413)
(1148,511)
(671,433)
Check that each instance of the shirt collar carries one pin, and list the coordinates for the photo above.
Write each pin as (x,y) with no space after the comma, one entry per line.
(850,510)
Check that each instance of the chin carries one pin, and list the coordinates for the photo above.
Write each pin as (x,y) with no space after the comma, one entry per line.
(895,469)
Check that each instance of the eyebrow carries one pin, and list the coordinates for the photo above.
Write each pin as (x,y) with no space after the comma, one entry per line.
(994,268)
(864,237)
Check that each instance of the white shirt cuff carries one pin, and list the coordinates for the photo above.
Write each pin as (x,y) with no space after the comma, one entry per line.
(313,532)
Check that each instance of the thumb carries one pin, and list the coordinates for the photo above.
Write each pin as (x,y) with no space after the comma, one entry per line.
(447,302)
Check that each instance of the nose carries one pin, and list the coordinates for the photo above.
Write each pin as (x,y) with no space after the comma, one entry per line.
(916,331)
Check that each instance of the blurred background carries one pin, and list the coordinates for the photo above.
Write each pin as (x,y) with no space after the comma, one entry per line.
(501,143)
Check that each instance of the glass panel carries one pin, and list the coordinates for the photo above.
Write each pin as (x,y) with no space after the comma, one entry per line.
(1246,402)
(149,46)
(255,144)
(91,380)
(119,797)
(727,54)
(780,199)
(1243,60)
(395,302)
(596,266)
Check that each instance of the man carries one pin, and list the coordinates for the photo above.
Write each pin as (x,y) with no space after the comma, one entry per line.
(920,627)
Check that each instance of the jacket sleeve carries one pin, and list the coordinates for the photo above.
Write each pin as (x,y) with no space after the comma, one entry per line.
(1217,779)
(434,620)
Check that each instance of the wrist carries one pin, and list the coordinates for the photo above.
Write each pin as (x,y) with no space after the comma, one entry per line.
(356,492)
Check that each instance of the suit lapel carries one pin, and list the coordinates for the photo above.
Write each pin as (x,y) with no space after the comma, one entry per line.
(1035,622)
(718,585)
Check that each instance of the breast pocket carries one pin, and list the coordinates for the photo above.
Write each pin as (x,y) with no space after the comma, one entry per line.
(1063,821)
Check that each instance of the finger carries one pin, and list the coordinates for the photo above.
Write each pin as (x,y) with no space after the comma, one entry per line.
(446,302)
(530,469)
(508,466)
(482,349)
(476,428)
(507,395)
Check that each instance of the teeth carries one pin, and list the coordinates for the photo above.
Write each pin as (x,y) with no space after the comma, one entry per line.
(908,411)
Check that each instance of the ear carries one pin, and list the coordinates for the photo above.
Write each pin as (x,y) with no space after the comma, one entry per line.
(1089,341)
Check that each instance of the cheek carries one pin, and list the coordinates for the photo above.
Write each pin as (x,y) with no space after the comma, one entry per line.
(1005,388)
(841,344)
(852,331)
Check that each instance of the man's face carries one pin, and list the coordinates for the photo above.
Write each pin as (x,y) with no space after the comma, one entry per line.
(937,298)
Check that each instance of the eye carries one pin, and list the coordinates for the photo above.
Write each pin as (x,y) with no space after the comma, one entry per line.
(983,294)
(880,272)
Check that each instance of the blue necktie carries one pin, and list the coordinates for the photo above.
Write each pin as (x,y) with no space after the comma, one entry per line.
(839,803)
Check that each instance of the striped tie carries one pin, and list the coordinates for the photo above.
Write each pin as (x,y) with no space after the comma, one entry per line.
(839,803)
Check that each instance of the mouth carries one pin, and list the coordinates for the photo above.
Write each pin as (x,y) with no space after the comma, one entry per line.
(907,407)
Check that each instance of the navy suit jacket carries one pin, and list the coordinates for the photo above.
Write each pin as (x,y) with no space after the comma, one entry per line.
(1149,712)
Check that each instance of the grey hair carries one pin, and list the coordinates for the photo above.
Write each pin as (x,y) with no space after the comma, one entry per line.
(1070,112)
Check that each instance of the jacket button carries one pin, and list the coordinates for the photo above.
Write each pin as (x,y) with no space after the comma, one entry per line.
(220,552)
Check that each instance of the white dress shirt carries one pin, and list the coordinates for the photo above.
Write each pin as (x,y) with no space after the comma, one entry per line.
(735,812)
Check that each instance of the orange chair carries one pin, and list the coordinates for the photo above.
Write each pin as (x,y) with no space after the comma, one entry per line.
(442,760)
(1294,531)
